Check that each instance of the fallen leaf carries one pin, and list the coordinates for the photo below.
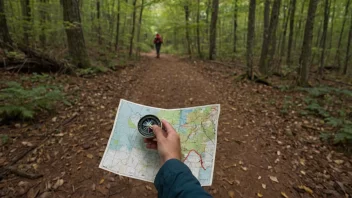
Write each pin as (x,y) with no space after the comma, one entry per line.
(302,161)
(226,139)
(338,162)
(102,190)
(46,195)
(244,168)
(278,153)
(54,119)
(32,193)
(240,162)
(284,195)
(93,187)
(228,181)
(59,134)
(303,172)
(307,189)
(259,195)
(259,177)
(102,181)
(264,186)
(27,144)
(274,179)
(58,183)
(231,194)
(90,156)
(148,187)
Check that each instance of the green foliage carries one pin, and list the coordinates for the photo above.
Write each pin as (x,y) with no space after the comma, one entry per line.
(38,78)
(4,139)
(287,104)
(319,98)
(20,103)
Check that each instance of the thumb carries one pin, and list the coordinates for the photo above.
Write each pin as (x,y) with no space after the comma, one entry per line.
(158,132)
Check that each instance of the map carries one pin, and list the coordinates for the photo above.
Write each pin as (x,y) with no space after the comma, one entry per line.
(127,155)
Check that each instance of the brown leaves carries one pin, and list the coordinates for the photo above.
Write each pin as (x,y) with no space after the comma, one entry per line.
(58,183)
(305,188)
(231,194)
(284,195)
(90,156)
(274,179)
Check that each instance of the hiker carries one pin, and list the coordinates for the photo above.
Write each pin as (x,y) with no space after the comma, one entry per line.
(158,41)
(174,178)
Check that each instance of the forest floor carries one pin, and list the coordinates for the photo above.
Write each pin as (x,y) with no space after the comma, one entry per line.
(259,150)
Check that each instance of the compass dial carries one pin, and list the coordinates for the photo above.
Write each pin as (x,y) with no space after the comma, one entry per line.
(145,124)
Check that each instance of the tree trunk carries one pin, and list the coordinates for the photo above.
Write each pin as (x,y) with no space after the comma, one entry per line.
(307,44)
(348,51)
(283,43)
(133,26)
(198,30)
(290,37)
(266,19)
(118,25)
(250,36)
(323,39)
(207,19)
(337,57)
(298,34)
(4,31)
(99,26)
(212,39)
(188,40)
(26,14)
(332,25)
(269,44)
(235,26)
(43,18)
(75,38)
(140,27)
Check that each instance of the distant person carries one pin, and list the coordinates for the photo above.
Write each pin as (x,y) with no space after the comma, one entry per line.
(174,179)
(158,41)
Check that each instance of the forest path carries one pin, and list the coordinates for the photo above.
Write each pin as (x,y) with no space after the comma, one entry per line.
(259,148)
(171,82)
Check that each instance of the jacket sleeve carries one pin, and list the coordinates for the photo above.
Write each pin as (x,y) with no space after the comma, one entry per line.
(175,180)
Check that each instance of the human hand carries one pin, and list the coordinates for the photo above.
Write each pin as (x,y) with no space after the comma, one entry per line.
(167,142)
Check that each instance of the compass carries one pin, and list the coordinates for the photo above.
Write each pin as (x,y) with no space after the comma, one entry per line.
(145,123)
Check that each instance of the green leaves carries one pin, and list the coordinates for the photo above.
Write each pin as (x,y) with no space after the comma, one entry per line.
(20,103)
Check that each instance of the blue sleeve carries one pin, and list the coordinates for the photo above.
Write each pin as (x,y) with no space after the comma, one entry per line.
(175,180)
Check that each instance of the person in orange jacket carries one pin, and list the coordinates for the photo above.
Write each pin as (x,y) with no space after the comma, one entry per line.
(158,41)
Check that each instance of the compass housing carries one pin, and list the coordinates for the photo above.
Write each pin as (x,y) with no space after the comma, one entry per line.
(145,123)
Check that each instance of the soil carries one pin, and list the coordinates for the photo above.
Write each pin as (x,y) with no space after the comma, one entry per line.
(260,151)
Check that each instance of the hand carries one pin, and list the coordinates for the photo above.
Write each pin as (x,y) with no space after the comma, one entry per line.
(167,142)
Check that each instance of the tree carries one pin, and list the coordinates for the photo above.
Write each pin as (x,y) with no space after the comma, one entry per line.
(140,26)
(188,40)
(307,44)
(250,40)
(266,19)
(99,25)
(235,16)
(43,16)
(337,57)
(4,31)
(212,39)
(269,43)
(348,51)
(74,32)
(118,24)
(26,14)
(133,27)
(283,40)
(323,39)
(198,29)
(290,37)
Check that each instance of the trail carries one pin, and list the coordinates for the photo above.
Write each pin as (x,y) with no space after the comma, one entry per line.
(171,82)
(255,142)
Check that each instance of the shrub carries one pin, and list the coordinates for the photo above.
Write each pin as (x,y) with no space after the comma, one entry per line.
(20,103)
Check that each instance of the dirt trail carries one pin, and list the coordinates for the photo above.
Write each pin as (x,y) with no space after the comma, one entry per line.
(255,142)
(172,83)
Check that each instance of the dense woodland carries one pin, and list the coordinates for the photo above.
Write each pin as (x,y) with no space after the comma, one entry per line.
(275,36)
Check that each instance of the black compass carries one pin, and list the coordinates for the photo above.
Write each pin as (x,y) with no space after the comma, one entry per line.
(145,123)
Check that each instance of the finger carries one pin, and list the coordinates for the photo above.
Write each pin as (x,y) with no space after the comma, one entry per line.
(168,127)
(158,132)
(149,140)
(152,146)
